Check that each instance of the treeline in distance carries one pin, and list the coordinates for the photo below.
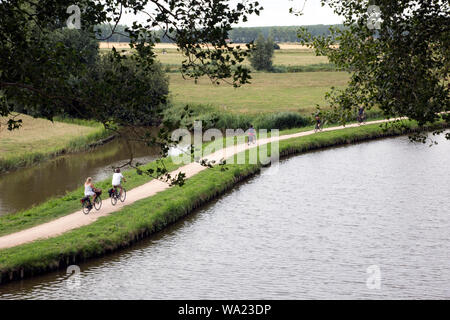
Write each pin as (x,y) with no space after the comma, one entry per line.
(237,35)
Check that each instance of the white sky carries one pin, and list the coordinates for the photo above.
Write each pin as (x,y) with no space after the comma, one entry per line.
(276,13)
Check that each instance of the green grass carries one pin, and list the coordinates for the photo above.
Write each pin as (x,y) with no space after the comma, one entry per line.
(153,214)
(300,57)
(38,140)
(268,92)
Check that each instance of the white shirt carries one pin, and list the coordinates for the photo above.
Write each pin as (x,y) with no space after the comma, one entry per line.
(88,190)
(117,178)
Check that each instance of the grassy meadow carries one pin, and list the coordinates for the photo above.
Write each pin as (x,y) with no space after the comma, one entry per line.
(39,139)
(298,84)
(288,57)
(268,92)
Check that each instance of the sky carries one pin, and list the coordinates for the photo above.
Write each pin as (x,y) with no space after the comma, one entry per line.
(276,13)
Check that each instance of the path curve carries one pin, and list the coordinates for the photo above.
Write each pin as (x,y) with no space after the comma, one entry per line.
(78,219)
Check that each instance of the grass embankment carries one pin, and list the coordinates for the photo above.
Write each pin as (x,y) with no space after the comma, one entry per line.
(39,139)
(150,215)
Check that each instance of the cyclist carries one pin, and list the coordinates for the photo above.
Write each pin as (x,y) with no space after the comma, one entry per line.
(251,135)
(117,180)
(361,114)
(90,190)
(318,123)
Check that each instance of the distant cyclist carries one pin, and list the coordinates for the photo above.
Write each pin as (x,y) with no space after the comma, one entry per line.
(361,115)
(318,123)
(117,180)
(251,135)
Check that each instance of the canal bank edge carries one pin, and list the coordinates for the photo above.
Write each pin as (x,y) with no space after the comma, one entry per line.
(133,222)
(79,144)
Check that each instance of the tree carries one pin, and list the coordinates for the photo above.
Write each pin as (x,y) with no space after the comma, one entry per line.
(398,54)
(121,94)
(40,76)
(261,57)
(58,79)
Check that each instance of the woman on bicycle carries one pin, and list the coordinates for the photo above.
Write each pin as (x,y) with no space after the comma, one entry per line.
(90,190)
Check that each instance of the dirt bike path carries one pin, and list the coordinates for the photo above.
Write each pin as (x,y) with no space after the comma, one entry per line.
(78,219)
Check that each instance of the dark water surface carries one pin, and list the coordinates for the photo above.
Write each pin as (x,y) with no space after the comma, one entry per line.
(24,188)
(309,231)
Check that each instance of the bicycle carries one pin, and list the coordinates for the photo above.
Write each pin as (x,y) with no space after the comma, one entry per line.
(318,127)
(115,195)
(361,118)
(87,206)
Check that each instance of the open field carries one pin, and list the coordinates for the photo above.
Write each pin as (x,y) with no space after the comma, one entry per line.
(39,138)
(281,58)
(299,57)
(268,92)
(289,55)
(124,45)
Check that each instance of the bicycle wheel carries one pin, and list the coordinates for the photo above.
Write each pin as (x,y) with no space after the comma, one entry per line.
(86,208)
(113,199)
(98,203)
(124,195)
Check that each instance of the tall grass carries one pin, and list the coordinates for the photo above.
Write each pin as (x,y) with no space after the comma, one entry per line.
(281,121)
(222,120)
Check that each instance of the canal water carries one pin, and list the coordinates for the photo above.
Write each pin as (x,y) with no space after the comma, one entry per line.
(366,221)
(21,189)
